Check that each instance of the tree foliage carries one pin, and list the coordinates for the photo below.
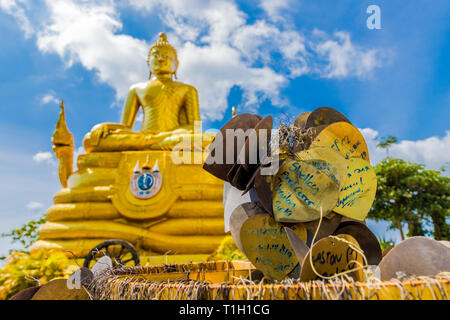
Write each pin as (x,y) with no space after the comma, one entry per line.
(407,193)
(26,235)
(23,271)
(386,141)
(227,250)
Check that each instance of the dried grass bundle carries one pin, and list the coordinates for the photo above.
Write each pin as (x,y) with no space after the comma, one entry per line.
(129,284)
(292,138)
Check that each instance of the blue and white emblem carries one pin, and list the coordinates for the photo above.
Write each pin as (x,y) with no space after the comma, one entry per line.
(146,181)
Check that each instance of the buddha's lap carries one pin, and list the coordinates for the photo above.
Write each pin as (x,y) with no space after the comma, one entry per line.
(140,141)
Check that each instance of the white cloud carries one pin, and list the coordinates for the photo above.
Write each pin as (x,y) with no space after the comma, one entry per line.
(222,50)
(433,152)
(274,7)
(17,8)
(218,48)
(50,98)
(86,32)
(44,157)
(345,59)
(33,205)
(215,69)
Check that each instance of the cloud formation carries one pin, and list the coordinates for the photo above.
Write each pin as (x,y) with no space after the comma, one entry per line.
(49,98)
(433,152)
(33,205)
(44,157)
(218,47)
(17,8)
(86,32)
(344,58)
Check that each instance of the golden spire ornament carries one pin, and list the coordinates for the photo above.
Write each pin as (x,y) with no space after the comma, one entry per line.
(63,146)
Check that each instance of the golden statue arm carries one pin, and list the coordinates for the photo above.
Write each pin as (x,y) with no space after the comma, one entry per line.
(192,109)
(63,147)
(130,110)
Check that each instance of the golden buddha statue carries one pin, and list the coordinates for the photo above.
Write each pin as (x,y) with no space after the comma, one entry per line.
(169,107)
(128,186)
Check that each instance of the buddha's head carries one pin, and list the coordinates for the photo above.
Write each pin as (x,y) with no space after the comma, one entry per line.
(162,57)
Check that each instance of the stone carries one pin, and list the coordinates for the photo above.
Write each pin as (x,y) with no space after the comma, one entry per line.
(445,243)
(26,294)
(58,290)
(415,256)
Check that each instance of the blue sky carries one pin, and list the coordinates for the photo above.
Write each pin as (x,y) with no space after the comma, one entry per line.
(269,57)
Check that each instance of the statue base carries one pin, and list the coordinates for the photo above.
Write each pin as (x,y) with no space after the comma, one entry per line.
(142,197)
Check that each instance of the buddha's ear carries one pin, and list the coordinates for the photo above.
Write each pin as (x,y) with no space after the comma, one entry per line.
(150,75)
(175,74)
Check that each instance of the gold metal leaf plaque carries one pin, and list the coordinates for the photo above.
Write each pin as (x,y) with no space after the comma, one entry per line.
(332,255)
(358,193)
(301,188)
(267,246)
(345,138)
(327,160)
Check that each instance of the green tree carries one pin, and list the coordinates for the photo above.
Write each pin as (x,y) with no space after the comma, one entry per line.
(433,200)
(385,142)
(26,235)
(407,193)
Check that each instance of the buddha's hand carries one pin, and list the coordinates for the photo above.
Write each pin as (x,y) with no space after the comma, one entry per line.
(102,130)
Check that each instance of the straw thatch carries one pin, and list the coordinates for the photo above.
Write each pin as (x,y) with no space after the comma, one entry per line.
(133,283)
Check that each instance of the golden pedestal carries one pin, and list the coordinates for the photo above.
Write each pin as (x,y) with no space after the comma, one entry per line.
(184,217)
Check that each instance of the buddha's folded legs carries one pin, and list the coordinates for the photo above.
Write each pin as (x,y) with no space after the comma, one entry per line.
(188,142)
(140,141)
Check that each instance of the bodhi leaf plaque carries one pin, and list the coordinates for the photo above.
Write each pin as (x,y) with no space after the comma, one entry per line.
(267,246)
(358,193)
(327,160)
(239,216)
(330,256)
(345,138)
(301,188)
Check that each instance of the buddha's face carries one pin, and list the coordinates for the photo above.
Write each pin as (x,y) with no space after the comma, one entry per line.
(162,60)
